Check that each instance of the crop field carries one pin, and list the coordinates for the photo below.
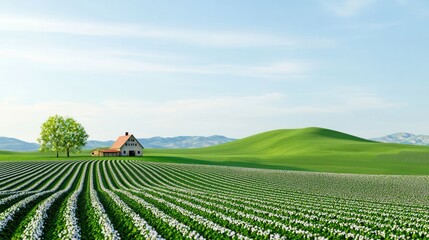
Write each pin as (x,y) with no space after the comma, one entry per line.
(126,199)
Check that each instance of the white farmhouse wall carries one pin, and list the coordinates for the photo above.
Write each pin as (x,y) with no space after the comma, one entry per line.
(131,145)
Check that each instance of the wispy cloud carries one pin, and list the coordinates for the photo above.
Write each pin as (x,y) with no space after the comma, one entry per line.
(416,8)
(347,8)
(372,26)
(231,115)
(117,61)
(292,69)
(186,36)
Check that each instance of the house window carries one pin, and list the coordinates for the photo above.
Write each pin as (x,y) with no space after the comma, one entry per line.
(125,152)
(138,152)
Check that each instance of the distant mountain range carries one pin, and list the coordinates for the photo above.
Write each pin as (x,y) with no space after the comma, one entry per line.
(13,144)
(184,141)
(404,138)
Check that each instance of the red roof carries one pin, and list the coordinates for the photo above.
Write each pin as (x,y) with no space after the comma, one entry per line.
(110,151)
(120,142)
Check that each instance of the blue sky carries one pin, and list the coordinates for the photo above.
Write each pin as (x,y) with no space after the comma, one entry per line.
(236,68)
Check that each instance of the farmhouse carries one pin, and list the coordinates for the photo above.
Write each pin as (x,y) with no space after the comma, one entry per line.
(126,145)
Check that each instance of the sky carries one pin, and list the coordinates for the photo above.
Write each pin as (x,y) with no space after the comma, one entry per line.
(214,67)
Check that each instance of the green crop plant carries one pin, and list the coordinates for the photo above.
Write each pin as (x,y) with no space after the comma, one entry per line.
(123,199)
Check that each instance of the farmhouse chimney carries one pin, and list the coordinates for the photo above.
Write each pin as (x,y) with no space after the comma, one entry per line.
(126,133)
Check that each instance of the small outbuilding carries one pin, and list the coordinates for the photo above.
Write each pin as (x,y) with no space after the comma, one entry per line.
(126,145)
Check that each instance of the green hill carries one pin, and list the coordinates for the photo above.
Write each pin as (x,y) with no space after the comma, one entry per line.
(284,142)
(309,149)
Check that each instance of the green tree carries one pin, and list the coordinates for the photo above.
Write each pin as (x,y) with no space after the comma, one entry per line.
(74,138)
(51,135)
(61,134)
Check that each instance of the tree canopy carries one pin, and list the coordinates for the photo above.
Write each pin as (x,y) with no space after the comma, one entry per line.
(62,134)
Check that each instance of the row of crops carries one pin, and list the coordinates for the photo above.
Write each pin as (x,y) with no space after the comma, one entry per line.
(120,199)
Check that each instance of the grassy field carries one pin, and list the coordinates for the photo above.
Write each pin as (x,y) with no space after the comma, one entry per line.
(128,199)
(308,149)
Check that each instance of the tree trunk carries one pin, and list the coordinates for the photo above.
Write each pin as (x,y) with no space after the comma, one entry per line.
(56,147)
(68,152)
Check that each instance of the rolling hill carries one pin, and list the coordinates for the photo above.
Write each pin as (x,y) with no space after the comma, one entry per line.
(307,149)
(312,149)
